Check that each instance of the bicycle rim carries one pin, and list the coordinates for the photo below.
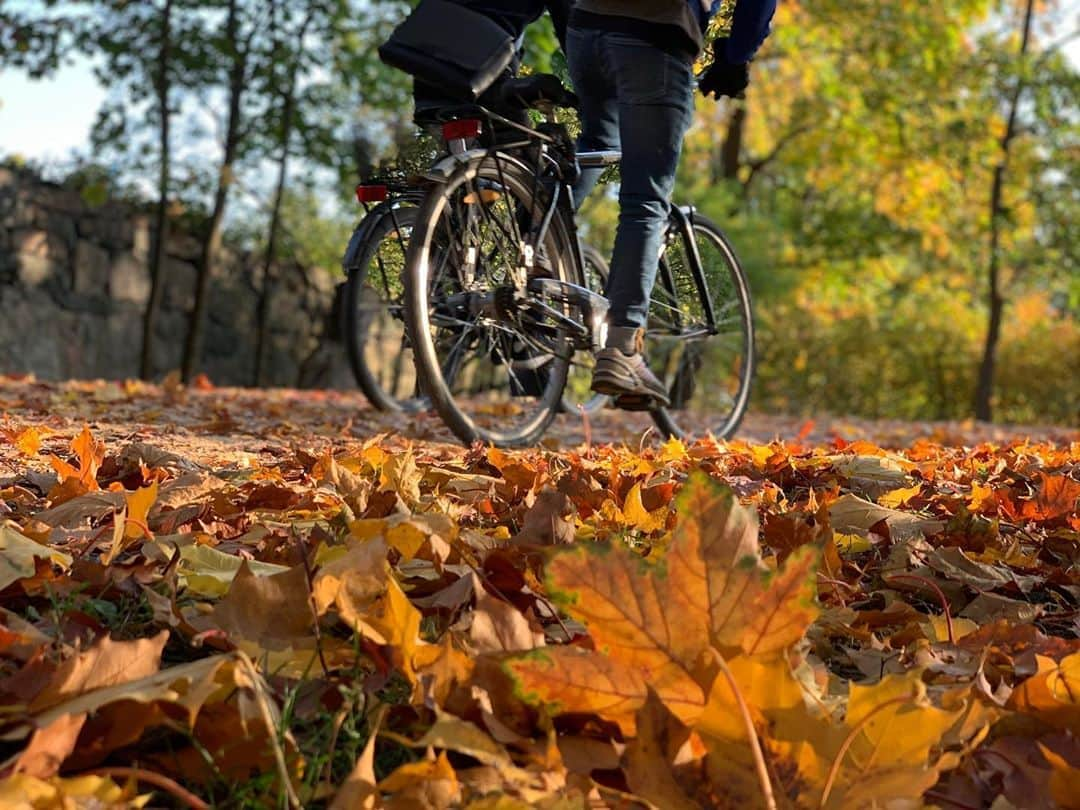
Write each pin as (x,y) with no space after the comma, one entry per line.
(708,376)
(375,335)
(484,371)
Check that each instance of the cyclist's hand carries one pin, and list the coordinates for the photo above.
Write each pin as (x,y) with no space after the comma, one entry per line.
(722,77)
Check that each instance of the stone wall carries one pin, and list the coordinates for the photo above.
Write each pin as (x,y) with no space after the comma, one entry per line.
(74,282)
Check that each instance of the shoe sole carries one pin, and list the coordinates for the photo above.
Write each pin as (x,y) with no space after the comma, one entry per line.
(623,388)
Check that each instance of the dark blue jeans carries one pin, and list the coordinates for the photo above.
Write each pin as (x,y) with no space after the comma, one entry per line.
(636,97)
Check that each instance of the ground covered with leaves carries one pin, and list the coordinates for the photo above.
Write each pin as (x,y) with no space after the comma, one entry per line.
(261,599)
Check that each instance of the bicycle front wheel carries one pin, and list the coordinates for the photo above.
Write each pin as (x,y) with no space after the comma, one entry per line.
(374,325)
(493,374)
(708,370)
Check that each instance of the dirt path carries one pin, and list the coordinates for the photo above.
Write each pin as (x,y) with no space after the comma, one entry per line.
(223,426)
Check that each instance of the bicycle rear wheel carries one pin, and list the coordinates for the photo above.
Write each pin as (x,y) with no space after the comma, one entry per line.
(708,375)
(380,355)
(494,371)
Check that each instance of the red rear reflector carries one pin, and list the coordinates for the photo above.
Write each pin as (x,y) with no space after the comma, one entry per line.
(366,194)
(464,128)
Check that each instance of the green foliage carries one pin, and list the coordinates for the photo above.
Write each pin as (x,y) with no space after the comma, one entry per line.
(861,204)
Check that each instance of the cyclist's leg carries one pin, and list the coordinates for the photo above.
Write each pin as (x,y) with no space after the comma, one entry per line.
(655,97)
(655,103)
(599,111)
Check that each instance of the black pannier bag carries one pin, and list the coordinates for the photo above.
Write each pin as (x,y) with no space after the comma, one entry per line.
(450,47)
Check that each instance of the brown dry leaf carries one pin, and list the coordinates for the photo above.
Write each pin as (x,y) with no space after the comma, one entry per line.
(500,627)
(357,582)
(49,746)
(408,534)
(352,577)
(269,610)
(549,521)
(459,593)
(189,488)
(107,663)
(440,668)
(79,510)
(188,687)
(850,513)
(401,476)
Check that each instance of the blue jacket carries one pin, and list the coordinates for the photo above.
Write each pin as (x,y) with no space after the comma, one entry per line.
(748,30)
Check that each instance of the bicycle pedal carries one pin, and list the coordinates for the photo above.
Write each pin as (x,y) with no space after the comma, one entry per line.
(635,402)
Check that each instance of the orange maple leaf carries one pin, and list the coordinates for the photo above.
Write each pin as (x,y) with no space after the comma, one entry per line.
(1057,497)
(658,624)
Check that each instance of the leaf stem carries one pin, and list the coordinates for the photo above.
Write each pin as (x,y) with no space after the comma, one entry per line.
(263,702)
(838,761)
(158,780)
(755,741)
(940,595)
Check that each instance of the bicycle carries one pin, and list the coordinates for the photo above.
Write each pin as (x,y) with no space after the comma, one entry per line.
(372,303)
(498,303)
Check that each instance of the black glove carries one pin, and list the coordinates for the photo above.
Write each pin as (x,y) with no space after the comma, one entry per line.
(722,77)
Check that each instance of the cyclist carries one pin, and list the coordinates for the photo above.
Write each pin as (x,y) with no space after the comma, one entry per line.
(631,64)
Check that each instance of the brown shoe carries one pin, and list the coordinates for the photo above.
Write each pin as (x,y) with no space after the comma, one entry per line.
(622,373)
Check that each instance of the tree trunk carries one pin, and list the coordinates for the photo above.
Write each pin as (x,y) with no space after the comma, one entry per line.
(161,219)
(984,388)
(211,245)
(268,281)
(731,148)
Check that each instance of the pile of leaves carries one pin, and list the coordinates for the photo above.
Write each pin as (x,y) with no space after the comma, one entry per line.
(387,623)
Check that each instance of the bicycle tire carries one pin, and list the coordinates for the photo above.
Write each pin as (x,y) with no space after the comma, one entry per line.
(668,419)
(360,315)
(474,183)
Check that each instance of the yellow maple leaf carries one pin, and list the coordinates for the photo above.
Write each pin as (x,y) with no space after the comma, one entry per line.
(1064,780)
(139,504)
(637,516)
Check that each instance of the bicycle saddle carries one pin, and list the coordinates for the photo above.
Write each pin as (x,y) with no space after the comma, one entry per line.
(533,91)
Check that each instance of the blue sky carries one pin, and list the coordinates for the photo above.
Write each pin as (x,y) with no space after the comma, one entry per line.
(47,119)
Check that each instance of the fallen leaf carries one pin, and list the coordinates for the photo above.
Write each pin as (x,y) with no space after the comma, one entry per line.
(501,627)
(271,610)
(106,663)
(849,512)
(49,746)
(17,555)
